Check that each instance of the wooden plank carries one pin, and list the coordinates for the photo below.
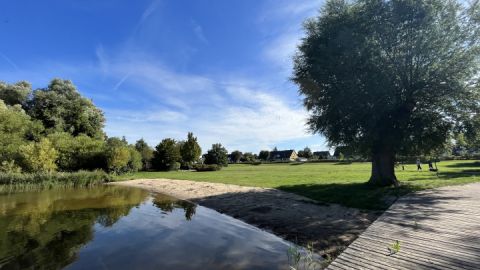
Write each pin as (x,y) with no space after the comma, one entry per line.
(447,235)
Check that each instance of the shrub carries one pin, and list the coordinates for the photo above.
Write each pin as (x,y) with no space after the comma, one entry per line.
(256,163)
(39,156)
(207,167)
(217,155)
(10,167)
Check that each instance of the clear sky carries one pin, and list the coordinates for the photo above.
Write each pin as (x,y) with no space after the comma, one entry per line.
(161,68)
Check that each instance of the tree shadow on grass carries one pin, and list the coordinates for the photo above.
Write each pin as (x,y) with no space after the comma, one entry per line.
(356,195)
(464,165)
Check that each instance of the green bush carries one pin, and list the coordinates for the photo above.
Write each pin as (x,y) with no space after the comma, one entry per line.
(256,163)
(207,167)
(39,156)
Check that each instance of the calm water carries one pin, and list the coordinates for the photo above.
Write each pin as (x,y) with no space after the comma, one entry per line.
(127,228)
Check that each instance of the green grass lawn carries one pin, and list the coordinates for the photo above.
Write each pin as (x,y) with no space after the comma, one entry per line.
(330,182)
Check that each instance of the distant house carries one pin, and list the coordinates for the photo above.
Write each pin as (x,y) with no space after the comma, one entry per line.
(323,155)
(285,155)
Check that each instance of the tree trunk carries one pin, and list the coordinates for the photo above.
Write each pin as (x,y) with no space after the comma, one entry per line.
(383,169)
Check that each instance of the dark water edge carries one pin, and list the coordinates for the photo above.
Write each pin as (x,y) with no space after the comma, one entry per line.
(112,227)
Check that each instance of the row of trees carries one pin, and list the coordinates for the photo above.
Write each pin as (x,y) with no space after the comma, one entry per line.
(170,154)
(55,128)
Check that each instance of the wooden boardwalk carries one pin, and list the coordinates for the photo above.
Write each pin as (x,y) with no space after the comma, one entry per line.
(436,229)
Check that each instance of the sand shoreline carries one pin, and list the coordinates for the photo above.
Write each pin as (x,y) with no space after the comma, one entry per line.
(329,227)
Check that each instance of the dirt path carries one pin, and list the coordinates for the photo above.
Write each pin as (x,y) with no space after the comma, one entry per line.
(298,219)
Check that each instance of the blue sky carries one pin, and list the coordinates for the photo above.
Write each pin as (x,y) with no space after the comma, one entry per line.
(161,68)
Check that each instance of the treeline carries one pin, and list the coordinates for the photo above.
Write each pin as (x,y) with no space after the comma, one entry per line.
(56,129)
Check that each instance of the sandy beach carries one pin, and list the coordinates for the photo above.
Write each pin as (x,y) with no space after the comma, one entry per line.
(329,227)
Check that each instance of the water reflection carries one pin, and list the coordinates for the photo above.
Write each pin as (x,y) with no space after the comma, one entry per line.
(168,204)
(46,229)
(125,228)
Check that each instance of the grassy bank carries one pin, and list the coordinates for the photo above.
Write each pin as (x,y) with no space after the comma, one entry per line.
(330,182)
(9,181)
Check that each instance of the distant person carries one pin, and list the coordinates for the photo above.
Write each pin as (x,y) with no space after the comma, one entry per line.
(419,165)
(430,167)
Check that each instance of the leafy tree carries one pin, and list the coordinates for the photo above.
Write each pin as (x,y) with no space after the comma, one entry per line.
(166,155)
(135,161)
(236,156)
(39,156)
(390,77)
(190,150)
(117,155)
(264,155)
(305,153)
(146,153)
(13,94)
(15,127)
(217,155)
(60,107)
(248,157)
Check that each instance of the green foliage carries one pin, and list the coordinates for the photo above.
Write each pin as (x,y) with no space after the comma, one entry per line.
(166,155)
(394,248)
(13,94)
(117,155)
(264,155)
(135,161)
(305,153)
(39,156)
(390,77)
(236,156)
(9,167)
(146,153)
(248,157)
(206,168)
(60,107)
(78,153)
(217,155)
(77,179)
(190,150)
(14,128)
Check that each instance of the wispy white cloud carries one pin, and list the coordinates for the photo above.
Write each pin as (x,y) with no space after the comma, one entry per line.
(9,61)
(147,13)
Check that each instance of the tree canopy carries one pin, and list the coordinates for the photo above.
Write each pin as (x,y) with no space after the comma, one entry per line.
(190,150)
(390,77)
(60,107)
(217,155)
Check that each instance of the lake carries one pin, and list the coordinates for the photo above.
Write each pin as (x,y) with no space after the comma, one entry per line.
(112,227)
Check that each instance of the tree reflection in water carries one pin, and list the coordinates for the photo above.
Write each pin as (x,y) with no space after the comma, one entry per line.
(168,204)
(46,229)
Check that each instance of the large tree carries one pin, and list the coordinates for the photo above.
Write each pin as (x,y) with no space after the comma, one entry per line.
(62,108)
(390,77)
(190,150)
(17,93)
(217,155)
(166,155)
(146,152)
